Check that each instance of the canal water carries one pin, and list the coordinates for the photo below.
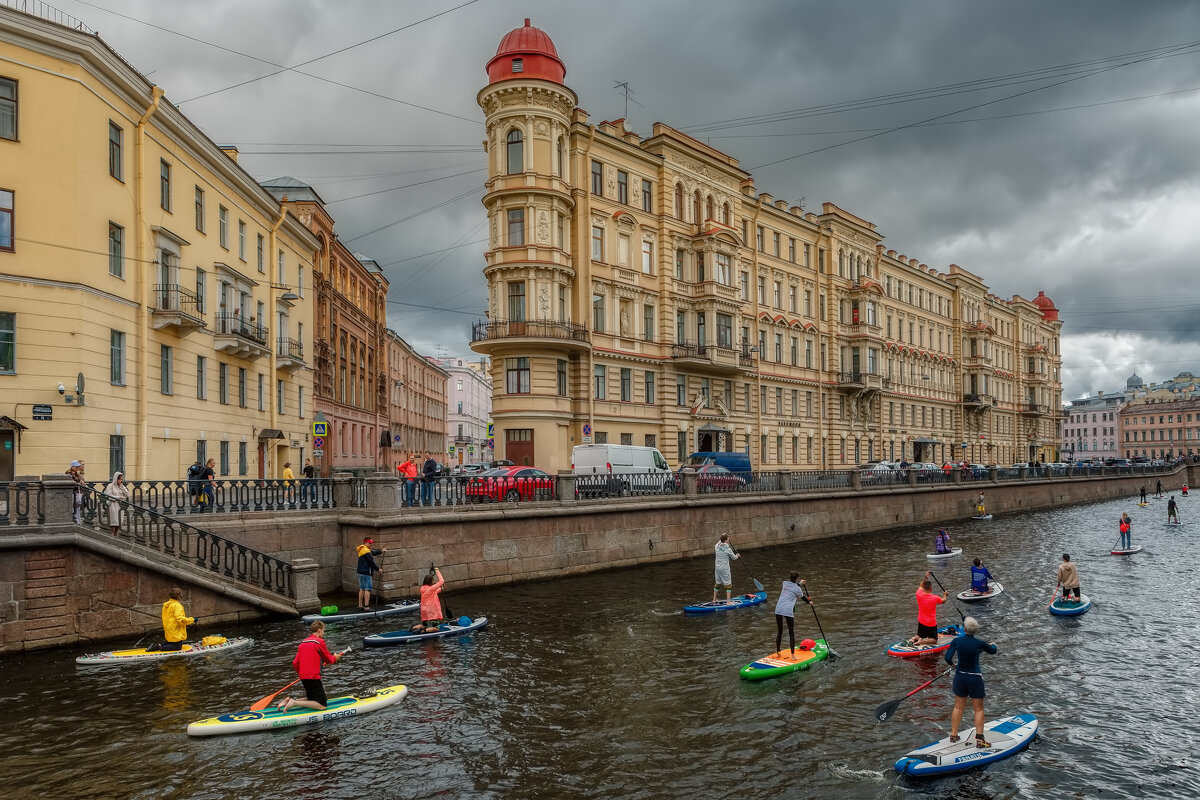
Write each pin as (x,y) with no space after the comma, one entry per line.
(598,686)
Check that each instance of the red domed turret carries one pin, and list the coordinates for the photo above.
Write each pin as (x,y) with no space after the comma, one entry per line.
(1049,312)
(526,52)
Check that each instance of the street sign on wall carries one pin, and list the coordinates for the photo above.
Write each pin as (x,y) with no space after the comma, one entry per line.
(318,442)
(320,429)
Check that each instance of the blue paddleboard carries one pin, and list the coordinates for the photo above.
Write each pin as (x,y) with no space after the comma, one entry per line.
(1005,737)
(741,601)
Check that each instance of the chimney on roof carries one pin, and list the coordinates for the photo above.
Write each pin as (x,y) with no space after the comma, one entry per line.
(230,151)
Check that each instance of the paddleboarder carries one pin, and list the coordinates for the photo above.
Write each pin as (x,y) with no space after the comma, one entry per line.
(1126,528)
(431,603)
(980,577)
(941,542)
(174,622)
(1158,488)
(1068,578)
(785,609)
(980,506)
(968,678)
(366,568)
(1183,491)
(1172,510)
(310,655)
(724,552)
(927,603)
(1143,500)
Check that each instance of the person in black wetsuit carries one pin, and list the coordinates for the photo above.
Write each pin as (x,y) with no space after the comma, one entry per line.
(1143,500)
(1158,488)
(1172,510)
(968,678)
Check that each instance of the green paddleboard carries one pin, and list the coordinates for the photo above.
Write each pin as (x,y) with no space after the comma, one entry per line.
(783,662)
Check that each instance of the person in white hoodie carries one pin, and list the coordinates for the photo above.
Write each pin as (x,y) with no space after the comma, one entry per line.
(724,552)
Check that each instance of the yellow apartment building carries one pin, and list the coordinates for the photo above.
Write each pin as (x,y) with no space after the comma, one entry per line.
(155,301)
(642,292)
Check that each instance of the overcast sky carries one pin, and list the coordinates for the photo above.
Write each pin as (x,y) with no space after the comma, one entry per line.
(1044,146)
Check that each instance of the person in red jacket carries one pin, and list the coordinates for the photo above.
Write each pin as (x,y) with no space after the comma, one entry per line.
(431,603)
(311,654)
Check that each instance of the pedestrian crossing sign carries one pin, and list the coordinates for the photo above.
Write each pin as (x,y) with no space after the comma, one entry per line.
(320,429)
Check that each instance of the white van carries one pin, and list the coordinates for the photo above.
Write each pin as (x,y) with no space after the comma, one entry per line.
(616,459)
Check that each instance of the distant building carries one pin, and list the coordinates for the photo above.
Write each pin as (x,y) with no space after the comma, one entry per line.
(1182,385)
(468,409)
(417,401)
(1159,425)
(1090,428)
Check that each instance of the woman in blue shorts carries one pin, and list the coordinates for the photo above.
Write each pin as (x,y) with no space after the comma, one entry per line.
(968,678)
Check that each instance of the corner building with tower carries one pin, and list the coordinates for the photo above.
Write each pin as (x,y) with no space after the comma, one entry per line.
(640,291)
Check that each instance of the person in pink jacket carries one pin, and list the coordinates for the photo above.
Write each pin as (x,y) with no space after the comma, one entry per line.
(431,602)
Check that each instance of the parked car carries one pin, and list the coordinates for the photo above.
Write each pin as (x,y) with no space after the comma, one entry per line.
(465,471)
(712,478)
(879,472)
(735,462)
(510,484)
(499,462)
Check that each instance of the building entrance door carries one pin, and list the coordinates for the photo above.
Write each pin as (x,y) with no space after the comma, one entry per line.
(518,446)
(8,456)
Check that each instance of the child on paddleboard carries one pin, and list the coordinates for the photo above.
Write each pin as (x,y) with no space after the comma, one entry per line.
(980,577)
(941,543)
(968,678)
(927,603)
(310,655)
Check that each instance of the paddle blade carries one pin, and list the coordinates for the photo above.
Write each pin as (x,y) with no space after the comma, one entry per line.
(758,585)
(884,711)
(266,701)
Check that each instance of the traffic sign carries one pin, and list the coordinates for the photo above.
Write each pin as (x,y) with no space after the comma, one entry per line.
(318,442)
(491,430)
(451,449)
(318,453)
(587,429)
(587,440)
(320,428)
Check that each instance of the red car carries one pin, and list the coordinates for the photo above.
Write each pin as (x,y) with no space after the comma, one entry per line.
(510,485)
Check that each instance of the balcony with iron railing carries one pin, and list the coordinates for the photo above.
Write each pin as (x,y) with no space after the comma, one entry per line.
(176,307)
(710,356)
(239,336)
(289,353)
(1035,377)
(567,334)
(1032,409)
(976,400)
(860,380)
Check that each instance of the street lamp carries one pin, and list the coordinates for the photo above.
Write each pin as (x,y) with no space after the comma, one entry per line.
(288,294)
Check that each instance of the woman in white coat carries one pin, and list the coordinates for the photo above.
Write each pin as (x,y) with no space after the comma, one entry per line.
(116,491)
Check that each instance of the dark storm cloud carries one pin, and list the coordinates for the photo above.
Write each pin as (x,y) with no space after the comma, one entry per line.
(1095,206)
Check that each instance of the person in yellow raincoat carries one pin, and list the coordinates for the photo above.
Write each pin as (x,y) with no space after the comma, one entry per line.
(175,621)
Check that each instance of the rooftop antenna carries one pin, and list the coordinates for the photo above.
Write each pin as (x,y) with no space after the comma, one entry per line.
(624,87)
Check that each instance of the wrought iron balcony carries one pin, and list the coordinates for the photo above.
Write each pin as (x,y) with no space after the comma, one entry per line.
(976,401)
(723,359)
(1034,409)
(493,330)
(176,307)
(289,353)
(856,379)
(239,336)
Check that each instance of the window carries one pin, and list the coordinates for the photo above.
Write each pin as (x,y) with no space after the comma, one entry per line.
(792,299)
(724,266)
(201,377)
(165,371)
(518,65)
(223,383)
(516,227)
(648,322)
(281,275)
(758,239)
(224,465)
(243,461)
(680,327)
(598,313)
(165,185)
(681,445)
(7,225)
(700,278)
(223,226)
(562,304)
(516,301)
(680,390)
(778,294)
(775,243)
(242,240)
(762,291)
(821,308)
(626,385)
(791,250)
(262,392)
(116,250)
(116,454)
(516,375)
(778,348)
(561,375)
(199,209)
(8,109)
(597,179)
(820,259)
(647,196)
(678,265)
(724,330)
(601,437)
(515,153)
(623,187)
(8,342)
(649,387)
(280,397)
(745,284)
(795,350)
(679,201)
(242,387)
(116,166)
(262,267)
(597,243)
(116,358)
(647,258)
(599,382)
(623,250)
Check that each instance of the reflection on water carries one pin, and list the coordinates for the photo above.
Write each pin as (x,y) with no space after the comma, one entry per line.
(599,686)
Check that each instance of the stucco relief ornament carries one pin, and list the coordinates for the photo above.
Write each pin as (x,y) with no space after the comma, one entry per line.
(541,128)
(624,320)
(495,237)
(543,226)
(544,302)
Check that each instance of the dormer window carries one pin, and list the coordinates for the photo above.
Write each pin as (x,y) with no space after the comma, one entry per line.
(518,65)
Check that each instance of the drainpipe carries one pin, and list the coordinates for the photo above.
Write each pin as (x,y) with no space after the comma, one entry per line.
(273,271)
(762,351)
(143,285)
(584,237)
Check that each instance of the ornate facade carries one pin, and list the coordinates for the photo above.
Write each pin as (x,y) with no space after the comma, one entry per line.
(417,397)
(642,292)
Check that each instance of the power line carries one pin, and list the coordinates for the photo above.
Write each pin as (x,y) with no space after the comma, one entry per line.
(405,186)
(470,191)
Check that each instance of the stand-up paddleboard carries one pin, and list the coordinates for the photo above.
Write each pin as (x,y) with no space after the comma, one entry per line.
(1143,505)
(1172,524)
(741,601)
(453,628)
(1070,608)
(1005,737)
(970,595)
(141,654)
(1128,551)
(273,719)
(985,516)
(390,610)
(954,551)
(946,635)
(785,661)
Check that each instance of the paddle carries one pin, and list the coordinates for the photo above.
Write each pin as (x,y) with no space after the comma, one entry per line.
(376,591)
(804,588)
(943,588)
(259,705)
(757,585)
(1053,594)
(886,710)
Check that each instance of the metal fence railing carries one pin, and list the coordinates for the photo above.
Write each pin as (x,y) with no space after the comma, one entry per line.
(588,487)
(22,503)
(174,498)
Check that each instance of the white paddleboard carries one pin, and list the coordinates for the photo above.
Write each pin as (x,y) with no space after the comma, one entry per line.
(970,595)
(1128,551)
(954,551)
(1172,524)
(1005,737)
(985,516)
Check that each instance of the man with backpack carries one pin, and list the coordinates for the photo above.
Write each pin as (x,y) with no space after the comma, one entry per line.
(193,482)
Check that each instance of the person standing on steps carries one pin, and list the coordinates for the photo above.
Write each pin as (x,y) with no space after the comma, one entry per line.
(1172,510)
(724,551)
(968,678)
(408,474)
(1068,578)
(365,569)
(308,484)
(927,603)
(785,609)
(1126,528)
(310,655)
(116,492)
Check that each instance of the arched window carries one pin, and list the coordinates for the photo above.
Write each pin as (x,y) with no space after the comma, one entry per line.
(516,153)
(725,214)
(696,207)
(562,157)
(708,208)
(679,201)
